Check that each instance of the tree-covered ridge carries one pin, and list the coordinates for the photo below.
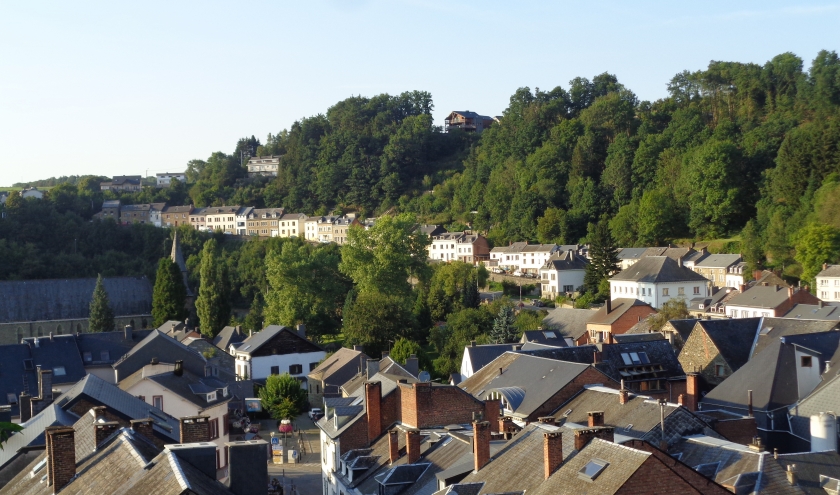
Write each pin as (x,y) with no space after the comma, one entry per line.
(730,143)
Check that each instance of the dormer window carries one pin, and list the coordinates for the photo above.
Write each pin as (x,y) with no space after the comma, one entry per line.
(211,396)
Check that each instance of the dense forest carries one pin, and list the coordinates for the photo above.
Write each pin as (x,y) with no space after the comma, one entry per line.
(741,151)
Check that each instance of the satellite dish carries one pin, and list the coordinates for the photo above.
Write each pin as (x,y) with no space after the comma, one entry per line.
(424,376)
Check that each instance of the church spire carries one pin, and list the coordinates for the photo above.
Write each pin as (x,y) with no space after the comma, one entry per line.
(177,257)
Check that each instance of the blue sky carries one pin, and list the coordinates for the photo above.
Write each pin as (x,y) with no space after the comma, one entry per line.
(111,88)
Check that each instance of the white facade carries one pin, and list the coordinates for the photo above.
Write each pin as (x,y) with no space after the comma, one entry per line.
(241,219)
(443,249)
(221,218)
(807,372)
(311,229)
(32,192)
(828,288)
(291,225)
(178,407)
(657,294)
(260,367)
(554,282)
(534,257)
(749,311)
(330,451)
(165,179)
(264,165)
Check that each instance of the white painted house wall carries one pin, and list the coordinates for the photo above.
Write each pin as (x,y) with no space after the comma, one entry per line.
(553,281)
(655,293)
(259,368)
(828,289)
(748,312)
(807,377)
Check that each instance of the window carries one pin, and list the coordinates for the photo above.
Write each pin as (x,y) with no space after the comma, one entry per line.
(225,424)
(59,371)
(720,370)
(214,429)
(681,291)
(142,397)
(105,356)
(592,469)
(696,291)
(568,288)
(312,366)
(665,291)
(275,370)
(88,357)
(12,398)
(805,361)
(295,369)
(211,396)
(157,401)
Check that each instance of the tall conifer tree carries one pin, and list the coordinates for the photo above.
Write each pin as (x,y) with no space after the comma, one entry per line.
(603,258)
(101,314)
(169,297)
(212,305)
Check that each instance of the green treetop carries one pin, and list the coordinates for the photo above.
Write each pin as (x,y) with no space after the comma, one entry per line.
(603,257)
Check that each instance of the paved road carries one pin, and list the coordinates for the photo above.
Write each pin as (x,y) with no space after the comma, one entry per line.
(303,478)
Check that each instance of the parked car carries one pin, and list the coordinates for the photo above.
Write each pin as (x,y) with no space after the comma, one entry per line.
(537,303)
(316,413)
(517,273)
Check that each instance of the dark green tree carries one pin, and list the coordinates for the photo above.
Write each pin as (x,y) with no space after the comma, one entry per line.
(504,327)
(101,314)
(377,319)
(213,303)
(254,318)
(603,261)
(169,296)
(471,298)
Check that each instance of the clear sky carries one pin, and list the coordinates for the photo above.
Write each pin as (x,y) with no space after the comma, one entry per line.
(113,88)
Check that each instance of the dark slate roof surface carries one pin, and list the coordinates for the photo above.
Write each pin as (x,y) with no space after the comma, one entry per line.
(569,322)
(658,269)
(825,311)
(775,328)
(229,335)
(481,355)
(341,366)
(732,337)
(114,343)
(165,349)
(57,299)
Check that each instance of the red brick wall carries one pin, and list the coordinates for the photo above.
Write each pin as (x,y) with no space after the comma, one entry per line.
(425,406)
(389,408)
(630,318)
(61,456)
(355,436)
(373,403)
(195,429)
(588,377)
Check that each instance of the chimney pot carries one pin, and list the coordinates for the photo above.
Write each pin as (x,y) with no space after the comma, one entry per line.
(791,474)
(584,435)
(179,368)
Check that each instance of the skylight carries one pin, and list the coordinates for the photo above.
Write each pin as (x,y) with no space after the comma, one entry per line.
(11,398)
(550,335)
(28,365)
(626,358)
(592,469)
(59,371)
(708,470)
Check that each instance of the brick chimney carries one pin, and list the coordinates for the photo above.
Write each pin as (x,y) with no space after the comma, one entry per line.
(608,304)
(492,411)
(583,436)
(596,418)
(61,456)
(547,420)
(45,385)
(412,445)
(393,445)
(692,390)
(247,467)
(481,444)
(195,429)
(373,404)
(143,427)
(623,394)
(552,452)
(103,431)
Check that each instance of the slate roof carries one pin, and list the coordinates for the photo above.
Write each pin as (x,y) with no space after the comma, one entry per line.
(637,337)
(124,463)
(810,466)
(481,355)
(514,247)
(19,364)
(229,335)
(566,260)
(341,366)
(526,382)
(518,465)
(719,261)
(732,337)
(539,248)
(734,465)
(826,397)
(776,328)
(33,432)
(551,335)
(253,343)
(112,345)
(659,352)
(190,387)
(630,253)
(165,349)
(57,299)
(618,307)
(760,296)
(770,375)
(830,271)
(622,461)
(658,269)
(683,327)
(824,311)
(637,418)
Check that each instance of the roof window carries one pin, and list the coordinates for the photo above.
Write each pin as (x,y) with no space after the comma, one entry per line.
(593,469)
(28,364)
(59,371)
